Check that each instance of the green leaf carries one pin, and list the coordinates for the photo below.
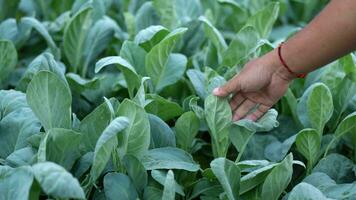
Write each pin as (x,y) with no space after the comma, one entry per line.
(214,35)
(243,44)
(98,39)
(315,107)
(56,181)
(21,157)
(255,177)
(83,164)
(105,145)
(308,144)
(163,108)
(150,36)
(50,99)
(319,180)
(218,117)
(278,180)
(161,176)
(119,186)
(135,55)
(75,36)
(197,78)
(169,187)
(135,139)
(305,191)
(136,172)
(337,166)
(93,125)
(239,137)
(167,13)
(79,84)
(157,61)
(347,125)
(186,127)
(40,28)
(266,123)
(152,193)
(15,183)
(17,122)
(132,79)
(169,158)
(228,175)
(44,62)
(62,147)
(161,134)
(8,59)
(264,19)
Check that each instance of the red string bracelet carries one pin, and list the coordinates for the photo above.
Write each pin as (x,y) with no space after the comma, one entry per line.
(285,64)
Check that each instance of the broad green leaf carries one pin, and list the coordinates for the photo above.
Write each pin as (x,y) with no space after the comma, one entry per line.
(198,80)
(45,62)
(305,191)
(278,180)
(50,99)
(140,97)
(346,126)
(105,145)
(341,191)
(157,61)
(205,186)
(8,59)
(349,65)
(161,176)
(228,174)
(186,127)
(15,183)
(218,117)
(264,19)
(255,177)
(169,158)
(132,79)
(56,181)
(169,187)
(136,172)
(214,35)
(315,107)
(152,193)
(93,125)
(150,36)
(98,39)
(243,44)
(337,166)
(266,123)
(161,134)
(79,84)
(18,33)
(308,144)
(163,108)
(119,186)
(75,37)
(62,147)
(135,55)
(319,180)
(83,164)
(277,150)
(20,157)
(135,139)
(239,137)
(17,122)
(40,28)
(167,13)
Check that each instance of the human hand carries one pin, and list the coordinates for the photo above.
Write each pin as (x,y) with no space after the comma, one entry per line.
(260,84)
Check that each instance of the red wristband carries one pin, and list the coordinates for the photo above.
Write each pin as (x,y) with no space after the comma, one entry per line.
(285,64)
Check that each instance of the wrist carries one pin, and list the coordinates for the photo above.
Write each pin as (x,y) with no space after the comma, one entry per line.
(277,68)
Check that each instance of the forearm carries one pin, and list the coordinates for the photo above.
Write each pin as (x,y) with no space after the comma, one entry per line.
(329,36)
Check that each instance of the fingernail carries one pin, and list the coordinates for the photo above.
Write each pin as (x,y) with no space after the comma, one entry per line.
(216,91)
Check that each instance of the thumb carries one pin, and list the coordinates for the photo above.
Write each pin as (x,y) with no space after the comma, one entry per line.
(232,86)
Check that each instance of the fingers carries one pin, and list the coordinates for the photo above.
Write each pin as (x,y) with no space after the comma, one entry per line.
(259,112)
(232,86)
(243,109)
(236,101)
